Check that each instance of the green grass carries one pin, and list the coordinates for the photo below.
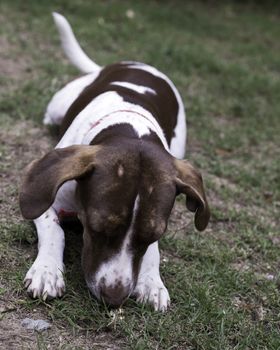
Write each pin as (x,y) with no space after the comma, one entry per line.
(225,59)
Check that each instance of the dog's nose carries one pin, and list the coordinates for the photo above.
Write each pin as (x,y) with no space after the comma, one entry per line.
(115,295)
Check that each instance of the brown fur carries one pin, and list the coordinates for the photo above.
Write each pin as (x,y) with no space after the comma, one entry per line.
(43,177)
(117,167)
(163,106)
(189,181)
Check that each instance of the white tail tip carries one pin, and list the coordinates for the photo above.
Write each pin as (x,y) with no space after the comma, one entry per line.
(71,46)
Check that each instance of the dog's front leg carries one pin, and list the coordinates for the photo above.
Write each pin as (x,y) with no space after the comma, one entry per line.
(149,287)
(45,277)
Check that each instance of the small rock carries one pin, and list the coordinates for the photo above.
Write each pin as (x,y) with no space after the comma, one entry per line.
(130,14)
(269,277)
(36,325)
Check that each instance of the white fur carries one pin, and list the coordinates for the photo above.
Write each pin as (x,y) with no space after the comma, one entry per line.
(138,88)
(103,108)
(45,276)
(65,198)
(150,287)
(71,46)
(63,99)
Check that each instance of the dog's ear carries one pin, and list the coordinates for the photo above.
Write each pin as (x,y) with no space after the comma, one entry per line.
(42,178)
(189,181)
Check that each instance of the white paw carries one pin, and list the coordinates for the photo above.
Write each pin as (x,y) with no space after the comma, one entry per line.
(151,289)
(45,278)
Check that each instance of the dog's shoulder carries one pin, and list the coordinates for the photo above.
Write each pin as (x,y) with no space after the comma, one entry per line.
(136,83)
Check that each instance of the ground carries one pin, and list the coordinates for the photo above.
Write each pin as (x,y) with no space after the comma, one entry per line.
(224,283)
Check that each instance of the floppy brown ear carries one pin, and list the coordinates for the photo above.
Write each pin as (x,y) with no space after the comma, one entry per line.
(42,178)
(189,181)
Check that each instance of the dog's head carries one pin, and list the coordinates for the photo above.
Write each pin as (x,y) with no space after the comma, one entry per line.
(125,197)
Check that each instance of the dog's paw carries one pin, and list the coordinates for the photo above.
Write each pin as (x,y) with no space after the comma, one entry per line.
(151,290)
(45,279)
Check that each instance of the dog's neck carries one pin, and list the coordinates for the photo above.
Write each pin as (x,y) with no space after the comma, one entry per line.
(128,114)
(124,133)
(141,123)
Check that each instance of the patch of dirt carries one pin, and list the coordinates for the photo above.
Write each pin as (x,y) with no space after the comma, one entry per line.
(14,68)
(180,220)
(14,336)
(236,202)
(221,183)
(223,121)
(256,311)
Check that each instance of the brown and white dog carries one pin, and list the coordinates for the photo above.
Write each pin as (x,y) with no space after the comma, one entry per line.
(116,166)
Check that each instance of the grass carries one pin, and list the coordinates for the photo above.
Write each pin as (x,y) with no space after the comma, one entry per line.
(225,59)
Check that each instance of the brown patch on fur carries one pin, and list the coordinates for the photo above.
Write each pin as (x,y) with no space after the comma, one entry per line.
(107,199)
(155,206)
(189,182)
(163,105)
(43,177)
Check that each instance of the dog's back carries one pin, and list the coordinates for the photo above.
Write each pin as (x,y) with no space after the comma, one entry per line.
(136,85)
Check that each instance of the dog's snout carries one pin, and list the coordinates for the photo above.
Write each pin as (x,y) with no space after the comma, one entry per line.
(114,295)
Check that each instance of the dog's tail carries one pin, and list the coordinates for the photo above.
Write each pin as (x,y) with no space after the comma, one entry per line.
(71,46)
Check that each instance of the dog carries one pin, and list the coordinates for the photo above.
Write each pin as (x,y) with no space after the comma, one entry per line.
(118,167)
